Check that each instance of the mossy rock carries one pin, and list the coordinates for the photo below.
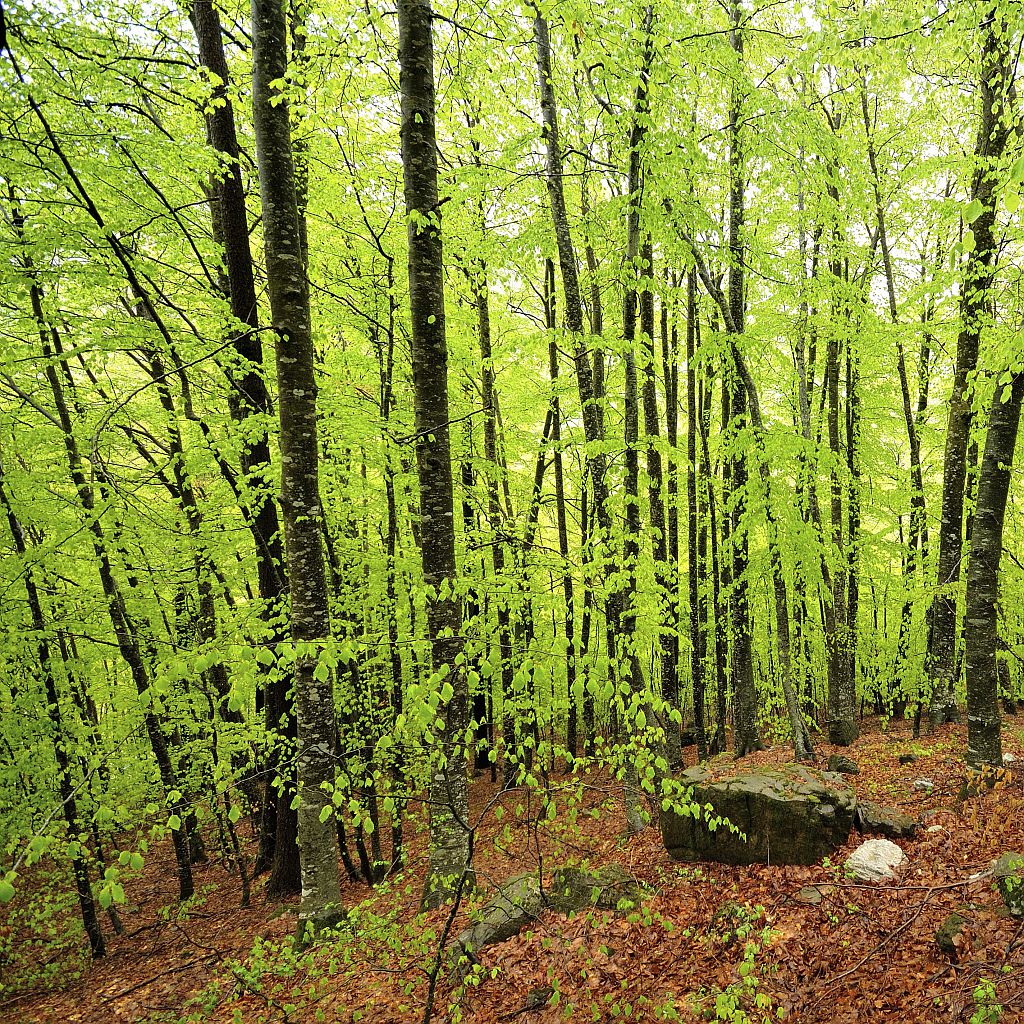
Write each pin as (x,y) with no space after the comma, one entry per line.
(1008,873)
(947,937)
(610,888)
(789,815)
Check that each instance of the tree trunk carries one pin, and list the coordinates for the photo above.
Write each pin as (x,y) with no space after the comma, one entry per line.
(842,704)
(694,556)
(998,100)
(300,490)
(747,737)
(450,839)
(981,627)
(249,397)
(572,729)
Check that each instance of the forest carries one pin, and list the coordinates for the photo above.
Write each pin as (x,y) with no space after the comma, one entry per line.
(498,500)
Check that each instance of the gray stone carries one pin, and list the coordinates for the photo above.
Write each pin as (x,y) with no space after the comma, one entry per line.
(789,815)
(923,785)
(908,758)
(1008,873)
(813,894)
(1009,759)
(884,821)
(843,765)
(876,860)
(517,902)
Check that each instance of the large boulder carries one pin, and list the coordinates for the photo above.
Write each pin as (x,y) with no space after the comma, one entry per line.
(517,902)
(788,815)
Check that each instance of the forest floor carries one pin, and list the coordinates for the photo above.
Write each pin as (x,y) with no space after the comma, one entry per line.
(861,953)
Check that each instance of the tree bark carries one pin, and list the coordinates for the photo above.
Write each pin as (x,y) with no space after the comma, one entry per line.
(981,626)
(300,489)
(450,848)
(694,557)
(998,100)
(248,398)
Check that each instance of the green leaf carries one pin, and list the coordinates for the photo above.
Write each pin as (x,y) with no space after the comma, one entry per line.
(973,211)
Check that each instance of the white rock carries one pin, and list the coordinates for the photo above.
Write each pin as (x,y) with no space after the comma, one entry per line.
(1008,759)
(935,828)
(925,785)
(876,860)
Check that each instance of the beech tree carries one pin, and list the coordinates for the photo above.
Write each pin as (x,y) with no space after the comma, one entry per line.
(607,428)
(300,455)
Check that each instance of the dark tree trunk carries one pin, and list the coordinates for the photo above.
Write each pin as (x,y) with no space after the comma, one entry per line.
(998,100)
(61,742)
(693,554)
(981,626)
(249,397)
(747,736)
(550,319)
(842,705)
(300,490)
(450,849)
(495,517)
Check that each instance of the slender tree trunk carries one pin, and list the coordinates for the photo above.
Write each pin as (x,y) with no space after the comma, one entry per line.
(61,741)
(694,556)
(981,626)
(842,707)
(550,319)
(747,737)
(300,489)
(450,849)
(998,102)
(495,517)
(248,397)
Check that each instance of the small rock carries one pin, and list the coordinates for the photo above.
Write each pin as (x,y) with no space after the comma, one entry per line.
(876,860)
(843,765)
(935,828)
(1008,873)
(923,785)
(908,758)
(1009,759)
(813,894)
(884,821)
(949,936)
